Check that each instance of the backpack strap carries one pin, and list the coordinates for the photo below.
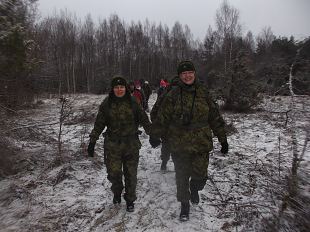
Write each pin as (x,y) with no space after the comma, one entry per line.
(207,95)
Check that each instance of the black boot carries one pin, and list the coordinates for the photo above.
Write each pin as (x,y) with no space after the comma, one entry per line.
(130,206)
(194,197)
(184,215)
(117,199)
(196,185)
(163,166)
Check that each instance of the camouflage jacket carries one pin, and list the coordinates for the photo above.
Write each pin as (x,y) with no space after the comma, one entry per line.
(157,104)
(161,97)
(187,118)
(122,118)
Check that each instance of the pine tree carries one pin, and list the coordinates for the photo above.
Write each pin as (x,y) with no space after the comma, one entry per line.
(244,91)
(15,44)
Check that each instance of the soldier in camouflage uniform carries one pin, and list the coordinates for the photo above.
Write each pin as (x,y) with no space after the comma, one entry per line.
(188,115)
(121,115)
(165,151)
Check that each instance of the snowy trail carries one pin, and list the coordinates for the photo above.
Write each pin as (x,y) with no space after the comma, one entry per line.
(76,196)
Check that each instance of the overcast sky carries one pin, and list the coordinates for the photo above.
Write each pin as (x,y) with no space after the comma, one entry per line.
(285,17)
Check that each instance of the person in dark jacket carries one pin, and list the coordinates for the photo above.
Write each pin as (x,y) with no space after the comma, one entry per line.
(138,87)
(147,92)
(188,116)
(121,115)
(165,151)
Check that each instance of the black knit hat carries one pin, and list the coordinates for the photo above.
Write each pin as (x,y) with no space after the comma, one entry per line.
(185,65)
(118,80)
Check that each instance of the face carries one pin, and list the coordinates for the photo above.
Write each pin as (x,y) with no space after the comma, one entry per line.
(119,90)
(188,77)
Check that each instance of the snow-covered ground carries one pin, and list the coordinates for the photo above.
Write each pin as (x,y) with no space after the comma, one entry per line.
(244,188)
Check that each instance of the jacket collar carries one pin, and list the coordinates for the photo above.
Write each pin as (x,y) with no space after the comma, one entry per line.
(189,88)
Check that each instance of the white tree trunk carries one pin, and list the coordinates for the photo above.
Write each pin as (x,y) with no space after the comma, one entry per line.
(290,82)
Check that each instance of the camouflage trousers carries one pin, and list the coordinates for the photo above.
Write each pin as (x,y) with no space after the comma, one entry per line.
(191,171)
(165,151)
(121,161)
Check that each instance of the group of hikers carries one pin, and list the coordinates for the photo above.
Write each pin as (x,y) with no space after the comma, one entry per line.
(142,91)
(182,120)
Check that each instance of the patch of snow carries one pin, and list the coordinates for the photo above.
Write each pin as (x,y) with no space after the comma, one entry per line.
(243,186)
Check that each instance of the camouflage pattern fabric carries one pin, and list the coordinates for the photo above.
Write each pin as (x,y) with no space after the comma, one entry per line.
(121,144)
(160,98)
(188,166)
(119,161)
(120,119)
(165,151)
(157,104)
(188,115)
(189,133)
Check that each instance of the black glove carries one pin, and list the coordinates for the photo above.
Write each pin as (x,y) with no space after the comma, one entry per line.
(224,149)
(91,149)
(154,142)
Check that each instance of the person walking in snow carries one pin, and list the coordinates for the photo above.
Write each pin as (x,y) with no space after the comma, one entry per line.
(165,151)
(147,92)
(137,93)
(162,87)
(121,115)
(187,118)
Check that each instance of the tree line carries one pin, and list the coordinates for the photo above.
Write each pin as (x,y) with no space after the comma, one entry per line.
(63,54)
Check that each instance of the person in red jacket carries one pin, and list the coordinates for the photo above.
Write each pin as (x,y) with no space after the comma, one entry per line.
(136,93)
(162,87)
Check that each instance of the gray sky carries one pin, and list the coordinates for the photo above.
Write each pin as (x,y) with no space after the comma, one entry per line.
(285,17)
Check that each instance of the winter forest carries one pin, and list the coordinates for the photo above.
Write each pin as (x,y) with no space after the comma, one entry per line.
(55,72)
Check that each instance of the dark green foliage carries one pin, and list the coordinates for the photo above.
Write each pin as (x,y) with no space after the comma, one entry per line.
(15,57)
(267,69)
(301,69)
(284,47)
(243,93)
(273,66)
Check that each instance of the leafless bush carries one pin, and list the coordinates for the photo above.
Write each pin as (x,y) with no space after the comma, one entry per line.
(61,175)
(83,139)
(83,116)
(64,114)
(294,217)
(31,132)
(292,212)
(14,192)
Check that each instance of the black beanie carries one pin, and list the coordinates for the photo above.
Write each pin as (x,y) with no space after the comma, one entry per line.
(185,65)
(118,80)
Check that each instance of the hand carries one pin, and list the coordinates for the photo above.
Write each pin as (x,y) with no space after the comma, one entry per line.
(91,149)
(154,142)
(224,149)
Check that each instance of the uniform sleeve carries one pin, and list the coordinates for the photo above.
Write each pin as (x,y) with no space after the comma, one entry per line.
(155,108)
(144,119)
(216,121)
(157,105)
(100,123)
(163,118)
